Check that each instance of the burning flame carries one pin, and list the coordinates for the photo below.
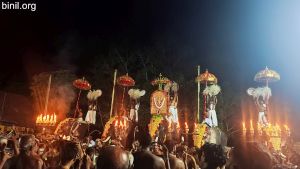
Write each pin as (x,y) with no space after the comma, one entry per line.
(286,128)
(244,126)
(121,124)
(251,125)
(44,119)
(278,127)
(170,125)
(186,126)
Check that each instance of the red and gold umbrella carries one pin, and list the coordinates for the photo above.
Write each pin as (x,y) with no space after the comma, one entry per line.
(160,80)
(267,75)
(82,84)
(207,78)
(126,81)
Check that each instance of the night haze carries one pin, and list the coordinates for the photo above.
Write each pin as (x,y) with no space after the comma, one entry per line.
(232,39)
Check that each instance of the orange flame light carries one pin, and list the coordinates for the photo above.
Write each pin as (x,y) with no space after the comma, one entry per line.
(121,124)
(286,128)
(244,127)
(251,126)
(47,120)
(186,126)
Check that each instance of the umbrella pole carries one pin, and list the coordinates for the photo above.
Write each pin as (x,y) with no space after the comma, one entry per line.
(77,104)
(267,100)
(122,103)
(113,94)
(198,96)
(205,99)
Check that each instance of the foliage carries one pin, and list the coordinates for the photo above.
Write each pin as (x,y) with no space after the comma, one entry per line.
(198,136)
(154,123)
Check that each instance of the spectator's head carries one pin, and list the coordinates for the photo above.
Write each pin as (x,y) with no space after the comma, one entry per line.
(144,139)
(90,151)
(214,156)
(170,144)
(70,151)
(27,143)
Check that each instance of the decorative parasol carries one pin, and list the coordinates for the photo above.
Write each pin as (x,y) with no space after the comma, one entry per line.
(267,75)
(160,81)
(126,81)
(80,84)
(207,78)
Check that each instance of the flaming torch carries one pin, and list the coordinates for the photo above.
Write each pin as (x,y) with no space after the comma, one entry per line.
(45,119)
(251,128)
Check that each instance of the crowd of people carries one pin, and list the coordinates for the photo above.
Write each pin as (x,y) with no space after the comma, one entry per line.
(31,152)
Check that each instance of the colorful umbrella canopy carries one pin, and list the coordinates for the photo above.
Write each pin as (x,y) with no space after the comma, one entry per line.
(207,77)
(267,75)
(82,84)
(126,81)
(160,80)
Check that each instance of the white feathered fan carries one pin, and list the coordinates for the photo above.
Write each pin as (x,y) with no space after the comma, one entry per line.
(264,92)
(212,90)
(136,93)
(94,95)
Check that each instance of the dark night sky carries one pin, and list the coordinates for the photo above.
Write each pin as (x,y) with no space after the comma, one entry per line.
(234,39)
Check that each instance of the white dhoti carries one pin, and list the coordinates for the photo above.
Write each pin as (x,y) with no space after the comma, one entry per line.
(207,121)
(262,118)
(211,120)
(91,116)
(133,115)
(214,118)
(174,115)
